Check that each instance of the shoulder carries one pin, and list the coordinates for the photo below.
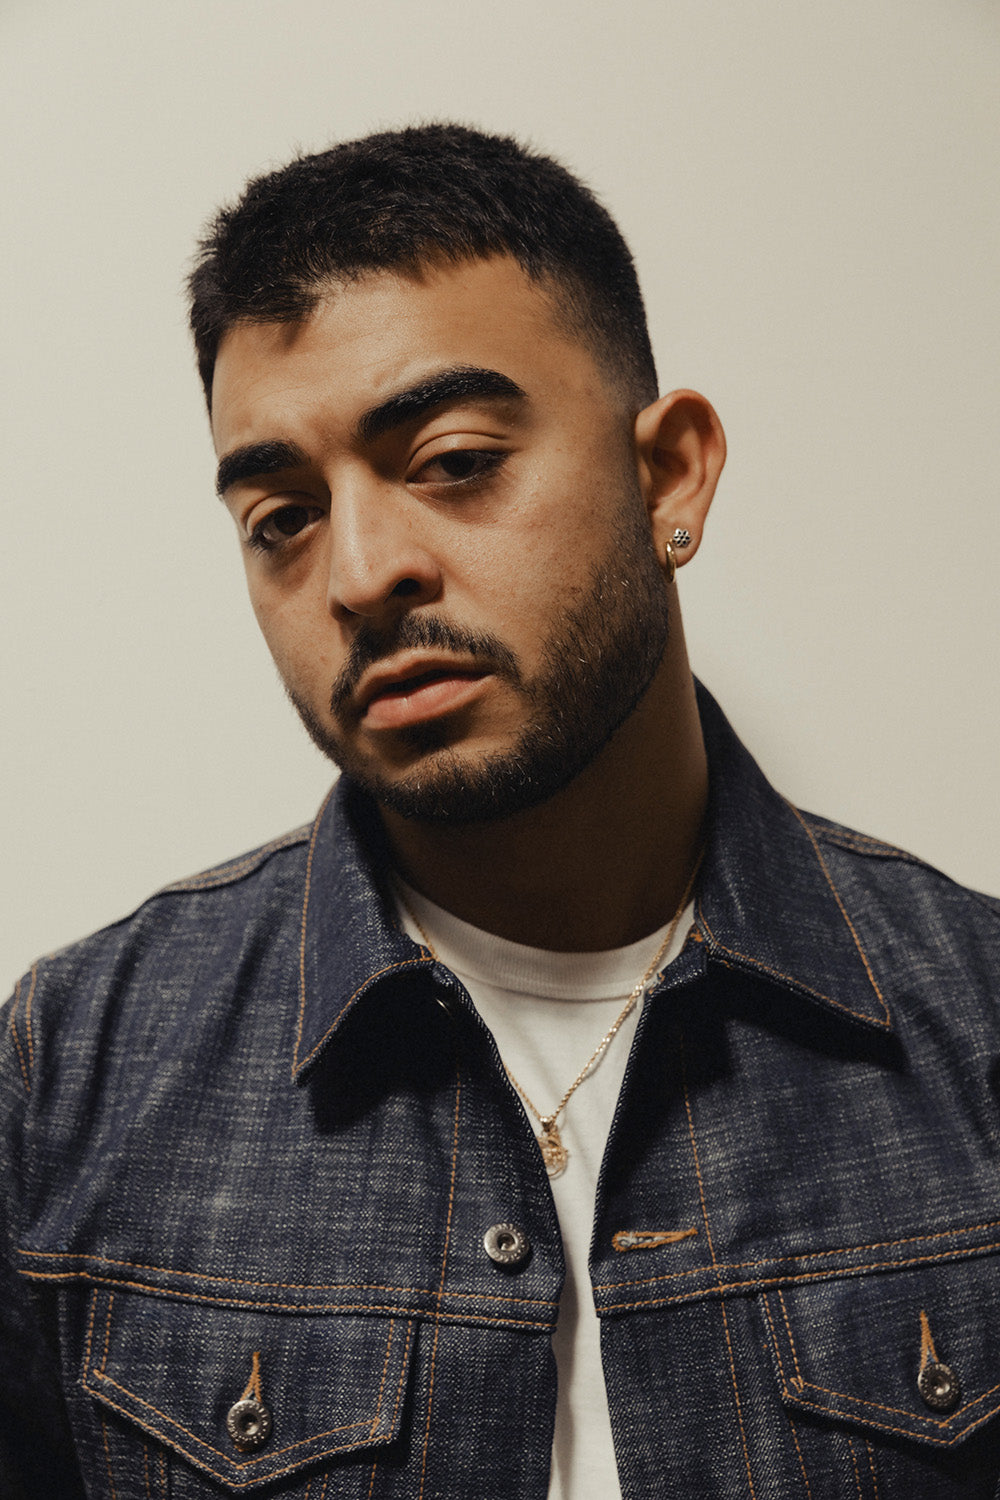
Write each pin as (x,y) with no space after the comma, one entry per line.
(172,941)
(888,889)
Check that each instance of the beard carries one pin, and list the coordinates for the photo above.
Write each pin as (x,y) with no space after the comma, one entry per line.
(597,663)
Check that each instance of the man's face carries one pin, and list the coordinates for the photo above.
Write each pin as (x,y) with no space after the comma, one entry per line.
(444,537)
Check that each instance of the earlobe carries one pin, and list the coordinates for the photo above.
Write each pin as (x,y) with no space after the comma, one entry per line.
(681,449)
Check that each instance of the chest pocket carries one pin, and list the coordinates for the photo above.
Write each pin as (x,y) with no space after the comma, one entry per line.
(248,1397)
(905,1365)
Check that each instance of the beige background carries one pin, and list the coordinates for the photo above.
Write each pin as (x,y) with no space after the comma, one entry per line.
(811,194)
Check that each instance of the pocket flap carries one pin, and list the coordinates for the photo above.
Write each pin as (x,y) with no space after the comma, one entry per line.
(915,1354)
(327,1384)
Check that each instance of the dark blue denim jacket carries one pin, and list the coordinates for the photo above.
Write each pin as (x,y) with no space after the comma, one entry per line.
(255,1136)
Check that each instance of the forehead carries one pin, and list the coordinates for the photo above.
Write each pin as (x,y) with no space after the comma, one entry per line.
(366,339)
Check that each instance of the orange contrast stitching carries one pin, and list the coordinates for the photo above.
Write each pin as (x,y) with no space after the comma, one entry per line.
(107,1334)
(905,1431)
(17,1039)
(302,930)
(395,1410)
(145,1468)
(444,1267)
(901,1411)
(780,974)
(857,1476)
(107,1457)
(252,1387)
(392,1309)
(791,1341)
(648,1239)
(746,1265)
(90,1330)
(761,1282)
(843,911)
(220,874)
(381,1388)
(781,1371)
(27,1016)
(179,1426)
(871,1465)
(711,1251)
(407,963)
(236,1484)
(288,1286)
(927,1350)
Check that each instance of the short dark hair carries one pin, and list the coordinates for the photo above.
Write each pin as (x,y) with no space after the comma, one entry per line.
(401,200)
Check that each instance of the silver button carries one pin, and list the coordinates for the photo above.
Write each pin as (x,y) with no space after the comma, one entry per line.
(248,1424)
(507,1244)
(939,1386)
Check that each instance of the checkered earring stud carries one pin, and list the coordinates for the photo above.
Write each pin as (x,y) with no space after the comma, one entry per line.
(681,537)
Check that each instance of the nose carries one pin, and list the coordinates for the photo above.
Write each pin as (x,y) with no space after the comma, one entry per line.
(380,563)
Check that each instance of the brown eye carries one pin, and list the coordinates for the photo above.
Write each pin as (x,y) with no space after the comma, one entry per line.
(460,465)
(280,525)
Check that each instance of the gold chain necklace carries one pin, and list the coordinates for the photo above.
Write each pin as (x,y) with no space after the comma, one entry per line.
(554,1153)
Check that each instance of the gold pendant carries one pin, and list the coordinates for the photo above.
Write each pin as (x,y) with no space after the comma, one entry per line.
(554,1153)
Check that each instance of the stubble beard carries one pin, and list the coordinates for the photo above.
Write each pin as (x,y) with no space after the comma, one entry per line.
(597,664)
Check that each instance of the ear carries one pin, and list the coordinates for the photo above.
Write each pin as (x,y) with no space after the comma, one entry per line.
(680,448)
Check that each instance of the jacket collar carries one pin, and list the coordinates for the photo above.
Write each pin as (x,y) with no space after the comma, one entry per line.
(768,903)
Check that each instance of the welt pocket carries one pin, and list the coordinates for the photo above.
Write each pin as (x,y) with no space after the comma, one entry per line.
(911,1354)
(329,1384)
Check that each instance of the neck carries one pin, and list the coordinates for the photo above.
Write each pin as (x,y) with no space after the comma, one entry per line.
(602,863)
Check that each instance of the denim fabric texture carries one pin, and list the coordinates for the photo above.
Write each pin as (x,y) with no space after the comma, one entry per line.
(254,1136)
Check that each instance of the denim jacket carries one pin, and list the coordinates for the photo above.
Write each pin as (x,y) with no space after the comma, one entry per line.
(255,1137)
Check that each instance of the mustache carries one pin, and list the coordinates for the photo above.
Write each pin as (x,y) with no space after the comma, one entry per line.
(374,644)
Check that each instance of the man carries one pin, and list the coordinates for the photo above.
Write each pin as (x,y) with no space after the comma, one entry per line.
(563,1113)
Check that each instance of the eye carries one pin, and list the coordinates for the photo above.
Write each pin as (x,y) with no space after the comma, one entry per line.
(281,526)
(460,466)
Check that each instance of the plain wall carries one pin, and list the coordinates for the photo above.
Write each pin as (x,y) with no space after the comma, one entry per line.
(811,195)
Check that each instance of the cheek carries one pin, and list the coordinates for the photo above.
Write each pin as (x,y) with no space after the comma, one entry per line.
(303,651)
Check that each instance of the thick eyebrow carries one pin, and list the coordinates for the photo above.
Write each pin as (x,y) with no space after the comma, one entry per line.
(458,383)
(256,459)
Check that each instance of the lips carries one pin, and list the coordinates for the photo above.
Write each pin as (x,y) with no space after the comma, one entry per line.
(398,695)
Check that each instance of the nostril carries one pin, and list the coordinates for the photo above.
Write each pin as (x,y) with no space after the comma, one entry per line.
(405,587)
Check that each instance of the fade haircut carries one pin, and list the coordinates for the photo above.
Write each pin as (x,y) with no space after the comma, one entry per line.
(403,200)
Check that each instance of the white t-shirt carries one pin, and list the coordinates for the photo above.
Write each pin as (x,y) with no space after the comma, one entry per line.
(547,1012)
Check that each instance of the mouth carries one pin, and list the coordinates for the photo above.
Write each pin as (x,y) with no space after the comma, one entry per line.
(404,696)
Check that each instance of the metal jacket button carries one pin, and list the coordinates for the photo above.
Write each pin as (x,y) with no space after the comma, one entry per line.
(507,1244)
(939,1386)
(248,1423)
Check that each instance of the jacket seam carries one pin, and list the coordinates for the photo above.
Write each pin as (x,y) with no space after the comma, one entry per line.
(898,1411)
(237,1484)
(763,968)
(781,1373)
(287,1286)
(711,1251)
(101,1375)
(333,1308)
(25,1075)
(746,1265)
(843,910)
(306,888)
(444,1268)
(790,1280)
(234,870)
